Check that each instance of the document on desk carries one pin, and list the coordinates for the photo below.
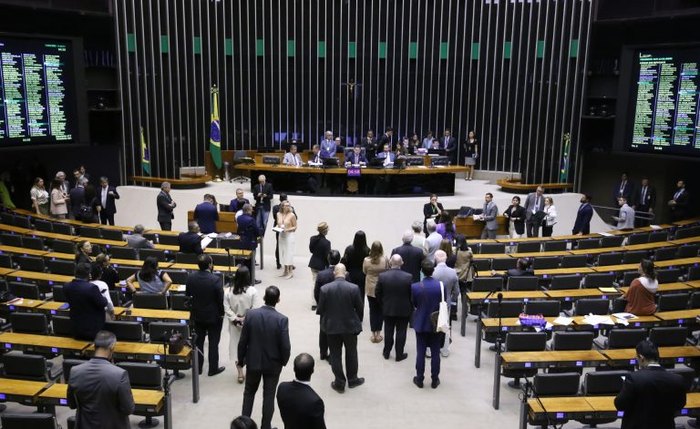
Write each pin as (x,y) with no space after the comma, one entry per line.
(562,320)
(206,241)
(609,289)
(624,318)
(605,234)
(593,319)
(655,226)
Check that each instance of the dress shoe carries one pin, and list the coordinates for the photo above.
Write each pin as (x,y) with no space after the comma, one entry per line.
(279,266)
(200,371)
(435,383)
(401,357)
(257,282)
(417,382)
(218,370)
(356,382)
(386,355)
(337,387)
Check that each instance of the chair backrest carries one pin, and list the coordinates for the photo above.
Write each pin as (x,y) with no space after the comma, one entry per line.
(689,231)
(58,293)
(89,232)
(6,260)
(112,234)
(43,225)
(11,239)
(68,365)
(565,282)
(62,326)
(60,266)
(123,252)
(555,246)
(559,384)
(574,261)
(614,241)
(626,338)
(658,236)
(483,284)
(62,246)
(29,323)
(665,253)
(156,253)
(592,306)
(508,308)
(30,263)
(528,247)
(609,259)
(143,375)
(546,308)
(482,264)
(223,260)
(186,258)
(116,297)
(640,238)
(667,336)
(492,248)
(179,277)
(24,290)
(170,240)
(573,340)
(597,280)
(589,243)
(668,275)
(628,277)
(125,331)
(694,300)
(24,367)
(523,283)
(672,302)
(160,332)
(62,228)
(545,263)
(501,264)
(694,273)
(126,271)
(603,382)
(688,251)
(526,341)
(157,301)
(26,420)
(7,218)
(35,243)
(23,222)
(179,301)
(688,375)
(634,257)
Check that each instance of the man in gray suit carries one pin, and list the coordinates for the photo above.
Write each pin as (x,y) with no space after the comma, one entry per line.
(489,216)
(534,203)
(137,240)
(450,281)
(432,241)
(101,390)
(626,218)
(340,306)
(264,347)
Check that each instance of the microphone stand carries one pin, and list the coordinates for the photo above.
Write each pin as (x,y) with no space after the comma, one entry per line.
(167,380)
(498,364)
(229,277)
(500,324)
(479,327)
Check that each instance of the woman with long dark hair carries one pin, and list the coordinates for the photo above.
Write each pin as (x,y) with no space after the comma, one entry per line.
(373,265)
(353,258)
(150,278)
(640,295)
(238,299)
(83,252)
(446,228)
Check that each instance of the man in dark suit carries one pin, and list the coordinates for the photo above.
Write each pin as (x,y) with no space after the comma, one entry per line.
(264,347)
(190,241)
(431,210)
(87,305)
(411,256)
(340,306)
(534,204)
(100,390)
(449,144)
(623,188)
(107,207)
(426,297)
(323,278)
(644,202)
(522,268)
(369,143)
(263,194)
(248,230)
(166,205)
(394,295)
(238,202)
(679,204)
(582,224)
(136,240)
(651,397)
(301,407)
(355,157)
(275,210)
(320,249)
(206,214)
(386,138)
(207,312)
(77,198)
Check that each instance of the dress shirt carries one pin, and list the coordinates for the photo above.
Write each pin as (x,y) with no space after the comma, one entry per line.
(105,190)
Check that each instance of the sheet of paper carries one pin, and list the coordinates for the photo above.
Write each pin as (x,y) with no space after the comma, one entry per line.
(607,289)
(593,319)
(277,229)
(626,316)
(562,320)
(605,234)
(655,227)
(205,242)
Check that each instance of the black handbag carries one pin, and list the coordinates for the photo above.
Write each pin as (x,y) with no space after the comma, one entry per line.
(176,343)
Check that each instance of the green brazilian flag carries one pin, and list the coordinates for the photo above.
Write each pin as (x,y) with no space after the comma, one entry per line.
(215,131)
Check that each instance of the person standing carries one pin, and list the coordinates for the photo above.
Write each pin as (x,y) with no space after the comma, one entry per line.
(644,202)
(87,305)
(515,213)
(237,203)
(432,241)
(340,306)
(623,188)
(450,281)
(239,298)
(107,206)
(263,194)
(386,139)
(166,205)
(369,144)
(471,154)
(190,241)
(625,219)
(678,205)
(650,397)
(264,348)
(206,214)
(582,224)
(100,390)
(426,297)
(207,312)
(372,266)
(431,210)
(324,277)
(550,217)
(489,216)
(534,203)
(411,256)
(449,145)
(275,210)
(300,406)
(320,248)
(394,296)
(354,258)
(77,199)
(59,201)
(287,220)
(328,146)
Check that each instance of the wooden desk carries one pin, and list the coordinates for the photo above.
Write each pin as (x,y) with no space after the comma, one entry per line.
(576,237)
(689,240)
(136,263)
(22,251)
(194,267)
(667,355)
(679,317)
(471,228)
(6,271)
(668,288)
(61,256)
(103,242)
(639,322)
(145,352)
(149,401)
(559,408)
(514,241)
(22,305)
(598,250)
(616,268)
(526,295)
(41,278)
(148,315)
(21,391)
(563,271)
(42,343)
(54,307)
(541,254)
(687,221)
(567,295)
(677,262)
(15,229)
(491,255)
(648,246)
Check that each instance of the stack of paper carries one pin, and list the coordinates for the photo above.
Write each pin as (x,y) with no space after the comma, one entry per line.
(562,320)
(593,319)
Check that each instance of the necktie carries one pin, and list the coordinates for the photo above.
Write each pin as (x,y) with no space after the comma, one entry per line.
(644,195)
(537,205)
(622,188)
(678,194)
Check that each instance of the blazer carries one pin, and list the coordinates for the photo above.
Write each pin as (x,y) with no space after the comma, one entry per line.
(450,281)
(341,308)
(87,308)
(138,241)
(449,144)
(550,218)
(323,278)
(394,293)
(355,159)
(384,139)
(650,399)
(264,344)
(490,213)
(190,242)
(289,159)
(102,394)
(530,202)
(582,223)
(328,148)
(516,212)
(426,299)
(383,155)
(627,191)
(248,230)
(320,247)
(207,292)
(429,212)
(206,216)
(412,259)
(165,212)
(681,202)
(300,406)
(236,205)
(626,217)
(649,200)
(110,207)
(77,198)
(261,201)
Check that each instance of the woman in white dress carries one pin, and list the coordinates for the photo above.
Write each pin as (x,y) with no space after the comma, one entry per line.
(240,297)
(287,220)
(550,218)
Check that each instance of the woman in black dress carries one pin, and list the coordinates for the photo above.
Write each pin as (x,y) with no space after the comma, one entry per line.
(353,258)
(516,214)
(471,153)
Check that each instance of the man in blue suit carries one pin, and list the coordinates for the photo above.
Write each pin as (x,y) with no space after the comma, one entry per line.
(87,305)
(426,297)
(107,207)
(190,241)
(582,225)
(206,214)
(355,157)
(238,202)
(328,146)
(249,232)
(387,155)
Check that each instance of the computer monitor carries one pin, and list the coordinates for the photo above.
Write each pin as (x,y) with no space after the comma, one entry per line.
(436,152)
(330,162)
(414,160)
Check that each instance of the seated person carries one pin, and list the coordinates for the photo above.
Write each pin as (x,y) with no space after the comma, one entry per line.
(522,268)
(641,294)
(328,146)
(206,214)
(238,202)
(292,157)
(315,158)
(355,157)
(190,241)
(150,278)
(387,155)
(435,145)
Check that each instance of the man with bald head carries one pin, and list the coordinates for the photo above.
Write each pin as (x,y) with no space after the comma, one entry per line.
(394,295)
(450,280)
(534,203)
(411,255)
(341,307)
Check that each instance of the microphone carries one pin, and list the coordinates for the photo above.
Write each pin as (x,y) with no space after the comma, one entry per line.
(500,297)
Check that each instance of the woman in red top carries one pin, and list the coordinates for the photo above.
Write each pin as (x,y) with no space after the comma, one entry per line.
(640,295)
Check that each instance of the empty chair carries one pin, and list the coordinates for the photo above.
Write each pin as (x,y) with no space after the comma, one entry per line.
(688,375)
(523,342)
(179,277)
(492,248)
(565,282)
(126,271)
(665,253)
(223,260)
(29,323)
(7,218)
(573,340)
(62,228)
(112,234)
(574,261)
(123,252)
(30,263)
(483,284)
(62,326)
(546,263)
(640,238)
(546,308)
(501,264)
(658,236)
(668,275)
(605,259)
(688,251)
(58,294)
(508,309)
(11,240)
(614,241)
(23,222)
(62,246)
(694,300)
(144,376)
(482,264)
(43,225)
(625,338)
(179,301)
(592,306)
(68,365)
(26,420)
(528,247)
(20,366)
(602,383)
(231,243)
(672,302)
(6,260)
(186,258)
(564,384)
(634,257)
(35,243)
(694,273)
(667,336)
(523,283)
(589,243)
(60,266)
(89,232)
(125,331)
(687,232)
(628,277)
(597,280)
(156,301)
(555,246)
(156,253)
(24,290)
